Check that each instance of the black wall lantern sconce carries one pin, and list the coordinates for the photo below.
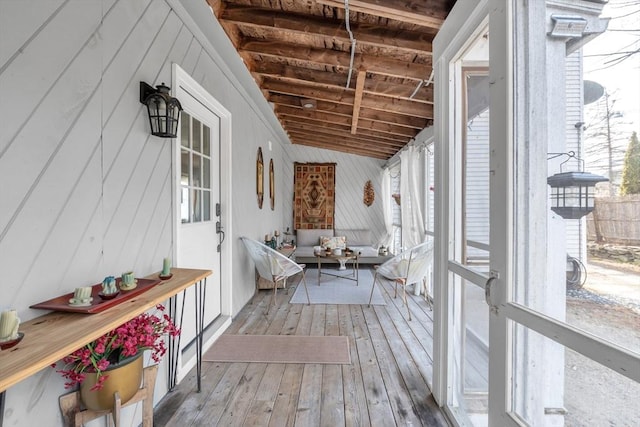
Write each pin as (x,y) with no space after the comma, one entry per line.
(572,193)
(163,109)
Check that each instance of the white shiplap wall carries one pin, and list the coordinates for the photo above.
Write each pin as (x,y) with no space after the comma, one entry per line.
(352,172)
(86,191)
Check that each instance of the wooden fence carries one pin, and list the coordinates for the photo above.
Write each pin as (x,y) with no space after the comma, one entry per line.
(615,220)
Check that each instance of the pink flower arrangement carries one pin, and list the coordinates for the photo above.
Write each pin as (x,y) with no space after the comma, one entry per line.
(145,332)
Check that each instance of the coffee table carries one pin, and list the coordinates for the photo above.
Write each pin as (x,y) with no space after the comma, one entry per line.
(342,259)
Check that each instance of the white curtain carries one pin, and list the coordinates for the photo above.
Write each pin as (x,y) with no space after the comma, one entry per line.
(411,197)
(385,193)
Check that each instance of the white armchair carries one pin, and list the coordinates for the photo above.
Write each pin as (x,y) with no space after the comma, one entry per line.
(410,266)
(273,266)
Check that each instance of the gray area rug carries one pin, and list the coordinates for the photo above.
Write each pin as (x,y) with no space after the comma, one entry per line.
(279,349)
(334,290)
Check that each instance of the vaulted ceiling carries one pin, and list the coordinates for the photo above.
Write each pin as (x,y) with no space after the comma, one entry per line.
(362,85)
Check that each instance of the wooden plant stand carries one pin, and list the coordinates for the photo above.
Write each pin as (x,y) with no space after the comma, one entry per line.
(74,416)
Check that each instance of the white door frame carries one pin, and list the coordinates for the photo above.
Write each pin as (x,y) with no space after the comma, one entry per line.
(181,80)
(453,38)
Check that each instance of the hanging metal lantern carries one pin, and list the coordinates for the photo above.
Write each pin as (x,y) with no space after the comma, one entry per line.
(163,109)
(572,193)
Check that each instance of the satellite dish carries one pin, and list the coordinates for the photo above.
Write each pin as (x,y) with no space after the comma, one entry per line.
(592,91)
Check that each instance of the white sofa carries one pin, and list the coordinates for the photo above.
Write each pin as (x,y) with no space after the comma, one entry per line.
(357,240)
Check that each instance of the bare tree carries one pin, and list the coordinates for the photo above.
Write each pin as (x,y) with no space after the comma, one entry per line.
(605,140)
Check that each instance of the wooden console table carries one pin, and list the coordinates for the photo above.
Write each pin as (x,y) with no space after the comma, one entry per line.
(51,337)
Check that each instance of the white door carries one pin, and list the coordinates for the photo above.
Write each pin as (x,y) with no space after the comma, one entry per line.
(197,197)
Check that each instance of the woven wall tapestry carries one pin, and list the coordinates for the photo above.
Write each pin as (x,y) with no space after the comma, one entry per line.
(314,195)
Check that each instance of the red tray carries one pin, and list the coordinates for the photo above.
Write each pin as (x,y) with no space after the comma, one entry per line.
(98,304)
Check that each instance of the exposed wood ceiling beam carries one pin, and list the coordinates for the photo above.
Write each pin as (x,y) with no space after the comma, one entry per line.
(375,102)
(368,133)
(369,119)
(393,9)
(338,80)
(311,127)
(343,146)
(334,58)
(380,116)
(334,147)
(280,21)
(301,50)
(326,117)
(362,75)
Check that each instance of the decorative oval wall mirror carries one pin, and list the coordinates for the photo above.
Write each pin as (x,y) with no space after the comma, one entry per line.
(272,186)
(260,178)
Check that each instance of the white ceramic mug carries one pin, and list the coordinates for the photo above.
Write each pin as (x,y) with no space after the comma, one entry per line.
(9,323)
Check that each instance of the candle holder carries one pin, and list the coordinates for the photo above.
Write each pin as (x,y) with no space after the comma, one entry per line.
(5,345)
(166,274)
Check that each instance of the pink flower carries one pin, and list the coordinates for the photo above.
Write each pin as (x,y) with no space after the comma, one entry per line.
(103,364)
(144,332)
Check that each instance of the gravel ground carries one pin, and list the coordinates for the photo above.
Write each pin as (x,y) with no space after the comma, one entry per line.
(595,395)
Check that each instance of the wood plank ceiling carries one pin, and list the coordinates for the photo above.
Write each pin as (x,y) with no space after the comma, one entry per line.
(362,85)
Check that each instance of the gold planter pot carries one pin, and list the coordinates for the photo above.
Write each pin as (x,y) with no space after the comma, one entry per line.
(124,378)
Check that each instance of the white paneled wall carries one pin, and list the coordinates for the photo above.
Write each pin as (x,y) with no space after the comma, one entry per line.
(86,191)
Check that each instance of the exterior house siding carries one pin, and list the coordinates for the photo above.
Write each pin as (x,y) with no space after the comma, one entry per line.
(575,229)
(477,184)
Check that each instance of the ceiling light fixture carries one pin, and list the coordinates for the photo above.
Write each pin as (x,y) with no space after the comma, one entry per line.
(308,103)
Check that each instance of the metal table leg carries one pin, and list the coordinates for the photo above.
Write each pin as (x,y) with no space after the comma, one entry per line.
(174,344)
(2,407)
(200,293)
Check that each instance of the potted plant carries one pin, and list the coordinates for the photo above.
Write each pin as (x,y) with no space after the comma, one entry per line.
(94,366)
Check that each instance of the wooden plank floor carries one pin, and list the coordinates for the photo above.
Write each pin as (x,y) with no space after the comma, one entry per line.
(385,385)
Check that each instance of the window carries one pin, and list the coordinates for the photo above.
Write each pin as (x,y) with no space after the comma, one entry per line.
(195,170)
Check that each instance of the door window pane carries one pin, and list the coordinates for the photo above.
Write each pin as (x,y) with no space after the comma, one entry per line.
(195,173)
(476,171)
(196,211)
(184,205)
(206,173)
(197,136)
(206,140)
(185,125)
(471,343)
(185,167)
(197,170)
